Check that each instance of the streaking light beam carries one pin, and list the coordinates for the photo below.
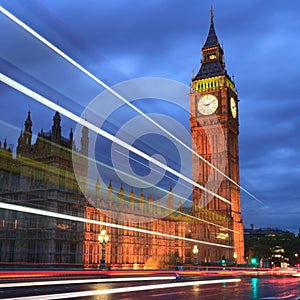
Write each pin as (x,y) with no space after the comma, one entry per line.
(83,281)
(140,180)
(85,71)
(30,93)
(125,289)
(84,220)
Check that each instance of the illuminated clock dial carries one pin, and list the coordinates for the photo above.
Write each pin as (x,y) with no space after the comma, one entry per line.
(233,107)
(207,104)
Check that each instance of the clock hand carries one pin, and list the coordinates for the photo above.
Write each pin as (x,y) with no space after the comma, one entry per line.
(209,103)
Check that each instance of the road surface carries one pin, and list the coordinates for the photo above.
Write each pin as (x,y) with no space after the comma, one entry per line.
(264,288)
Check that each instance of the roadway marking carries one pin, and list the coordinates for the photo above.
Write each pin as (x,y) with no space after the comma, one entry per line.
(122,290)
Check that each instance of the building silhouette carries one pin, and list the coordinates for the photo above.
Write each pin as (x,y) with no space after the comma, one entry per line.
(215,128)
(41,176)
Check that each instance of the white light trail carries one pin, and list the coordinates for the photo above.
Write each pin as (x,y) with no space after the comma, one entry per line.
(30,93)
(124,289)
(85,71)
(83,281)
(138,179)
(177,196)
(41,212)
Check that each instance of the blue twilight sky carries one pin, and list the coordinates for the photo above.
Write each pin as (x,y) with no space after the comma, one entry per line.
(122,40)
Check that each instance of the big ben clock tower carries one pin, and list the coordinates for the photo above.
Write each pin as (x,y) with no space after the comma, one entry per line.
(215,128)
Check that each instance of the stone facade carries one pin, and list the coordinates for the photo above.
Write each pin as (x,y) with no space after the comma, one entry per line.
(40,176)
(215,128)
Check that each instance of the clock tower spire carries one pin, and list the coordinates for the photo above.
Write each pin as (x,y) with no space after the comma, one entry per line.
(212,63)
(215,128)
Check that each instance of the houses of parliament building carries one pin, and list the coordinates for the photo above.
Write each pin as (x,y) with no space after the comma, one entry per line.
(40,176)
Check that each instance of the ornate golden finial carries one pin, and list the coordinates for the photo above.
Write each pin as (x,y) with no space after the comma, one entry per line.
(121,191)
(110,186)
(131,192)
(131,196)
(98,188)
(211,14)
(179,206)
(142,197)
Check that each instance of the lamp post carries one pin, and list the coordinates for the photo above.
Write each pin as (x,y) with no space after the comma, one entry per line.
(235,257)
(195,251)
(103,240)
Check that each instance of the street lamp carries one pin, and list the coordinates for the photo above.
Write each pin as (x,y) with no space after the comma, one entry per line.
(195,251)
(235,256)
(103,240)
(296,258)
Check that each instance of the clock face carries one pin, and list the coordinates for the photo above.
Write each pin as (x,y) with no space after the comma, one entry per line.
(233,107)
(207,104)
